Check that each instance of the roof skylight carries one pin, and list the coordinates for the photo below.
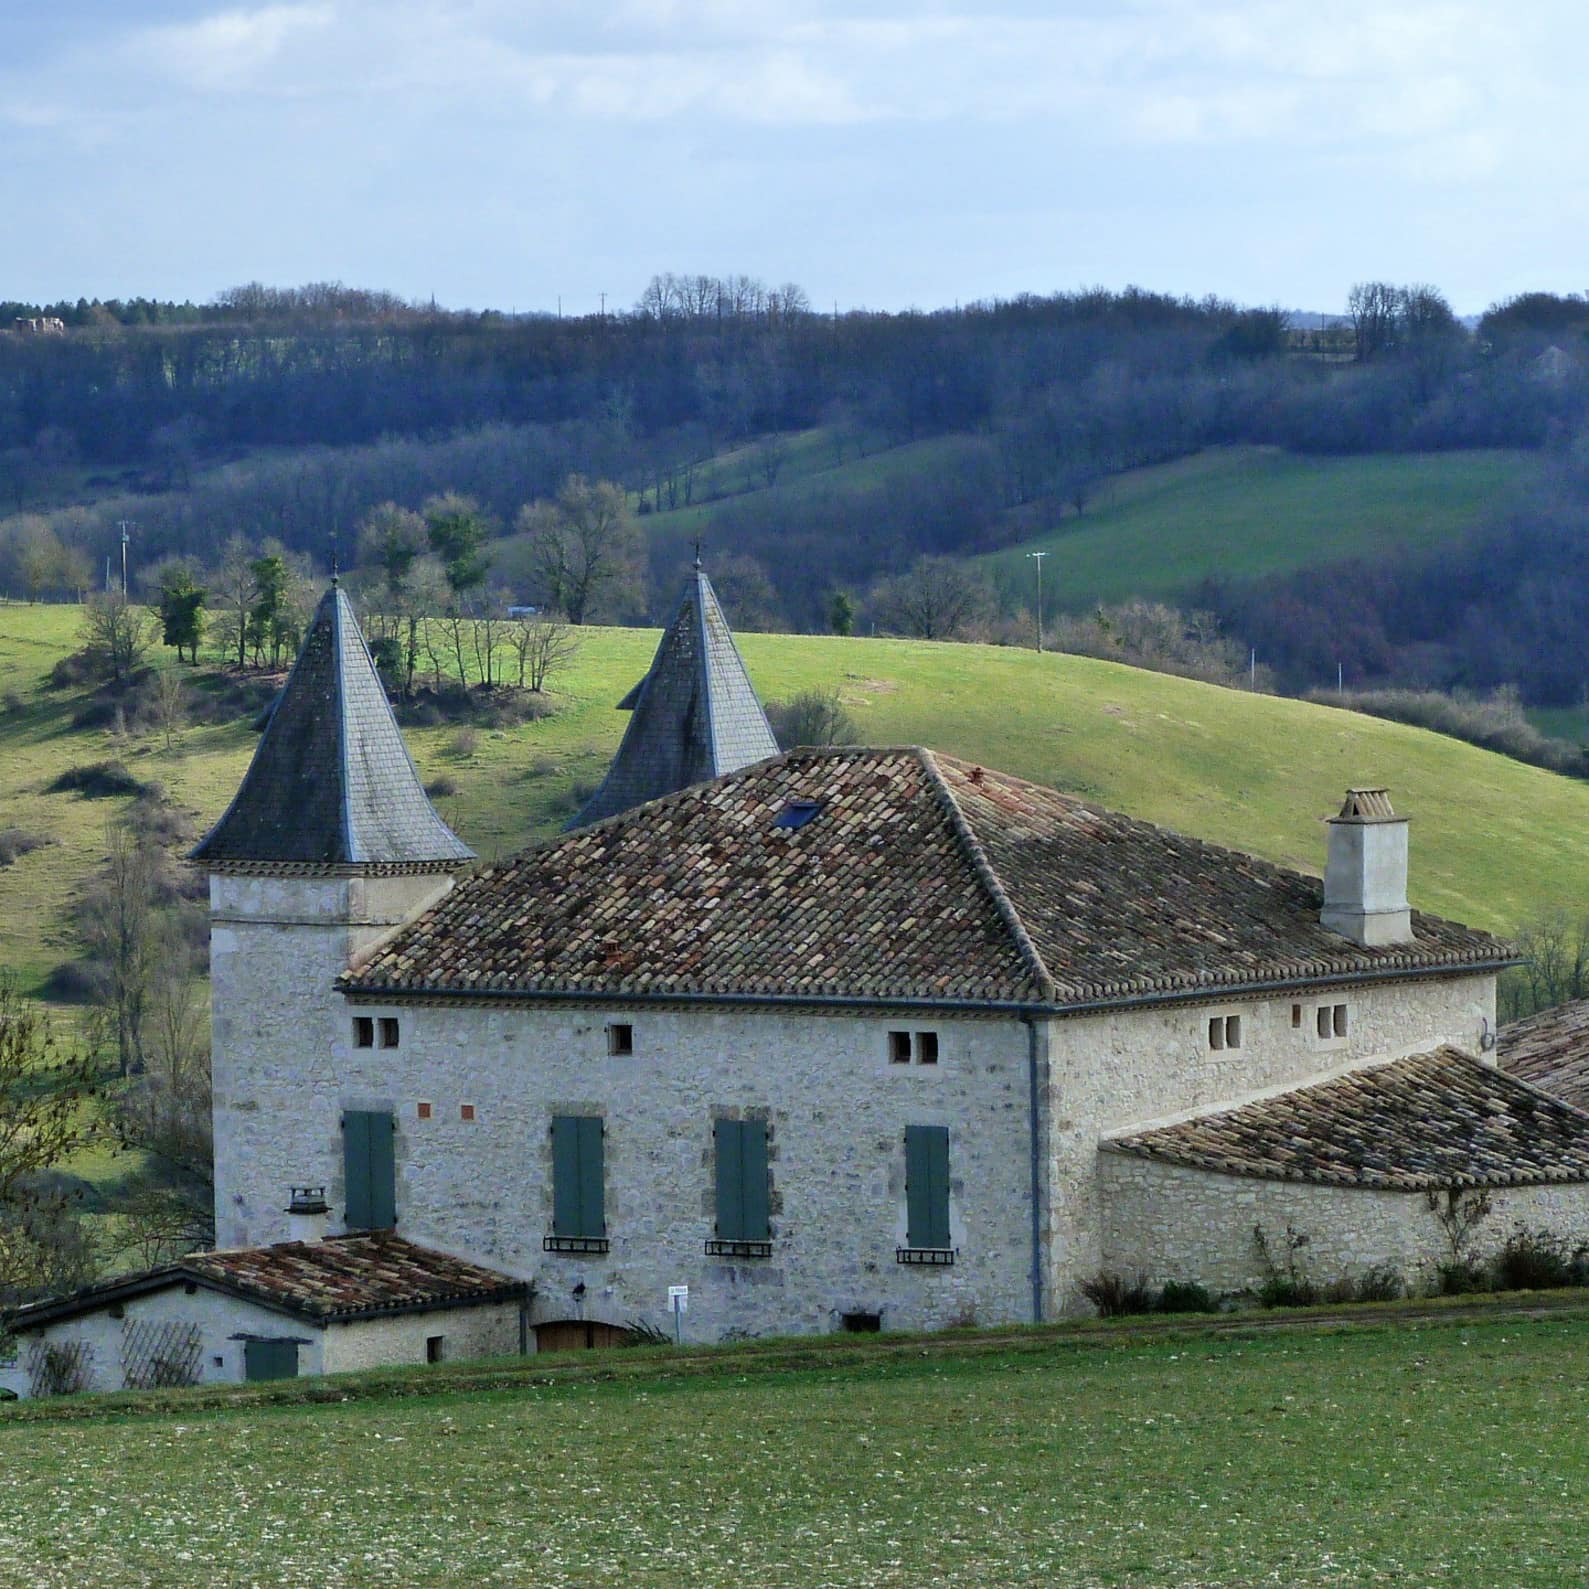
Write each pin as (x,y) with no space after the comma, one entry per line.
(797,813)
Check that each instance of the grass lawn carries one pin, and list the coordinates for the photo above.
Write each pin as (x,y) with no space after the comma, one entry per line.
(1240,512)
(1438,1454)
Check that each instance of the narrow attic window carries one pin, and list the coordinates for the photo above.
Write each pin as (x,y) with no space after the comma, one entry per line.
(388,1025)
(899,1048)
(363,1031)
(797,813)
(620,1038)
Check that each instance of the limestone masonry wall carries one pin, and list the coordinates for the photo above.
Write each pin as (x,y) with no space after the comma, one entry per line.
(1131,1068)
(1171,1222)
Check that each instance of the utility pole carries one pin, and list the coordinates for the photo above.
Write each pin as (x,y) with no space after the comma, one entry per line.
(126,526)
(604,308)
(1037,557)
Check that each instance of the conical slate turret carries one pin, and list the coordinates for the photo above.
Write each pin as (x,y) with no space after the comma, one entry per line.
(696,715)
(332,782)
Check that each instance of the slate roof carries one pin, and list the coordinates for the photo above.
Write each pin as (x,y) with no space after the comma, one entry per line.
(696,715)
(1432,1120)
(341,1278)
(921,878)
(1551,1050)
(331,782)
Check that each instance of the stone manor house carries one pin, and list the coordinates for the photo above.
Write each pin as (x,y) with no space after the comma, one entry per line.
(840,1038)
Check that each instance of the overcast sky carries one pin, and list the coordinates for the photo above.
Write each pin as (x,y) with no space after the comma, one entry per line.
(504,152)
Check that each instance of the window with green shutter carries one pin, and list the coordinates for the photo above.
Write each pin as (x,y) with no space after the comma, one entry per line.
(743,1228)
(926,1196)
(369,1169)
(579,1214)
(270,1360)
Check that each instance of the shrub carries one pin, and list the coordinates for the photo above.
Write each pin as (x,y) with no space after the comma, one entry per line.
(73,982)
(463,744)
(1382,1283)
(1460,1278)
(16,842)
(813,717)
(1286,1283)
(441,788)
(98,780)
(1114,1296)
(1535,1260)
(1186,1296)
(13,703)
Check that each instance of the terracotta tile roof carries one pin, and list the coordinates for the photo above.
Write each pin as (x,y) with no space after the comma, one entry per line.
(331,782)
(1432,1120)
(342,1277)
(920,878)
(1551,1050)
(696,715)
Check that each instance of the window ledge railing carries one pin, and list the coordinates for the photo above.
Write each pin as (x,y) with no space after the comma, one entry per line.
(585,1244)
(718,1247)
(932,1257)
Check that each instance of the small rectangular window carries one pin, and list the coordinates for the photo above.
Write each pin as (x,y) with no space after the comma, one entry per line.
(423,1111)
(1296,1015)
(926,1048)
(433,1348)
(388,1031)
(1216,1031)
(1224,1031)
(620,1038)
(466,1111)
(1323,1021)
(899,1048)
(1338,1020)
(1232,1031)
(363,1031)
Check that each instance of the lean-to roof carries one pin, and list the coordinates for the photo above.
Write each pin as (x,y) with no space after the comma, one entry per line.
(1551,1050)
(1428,1121)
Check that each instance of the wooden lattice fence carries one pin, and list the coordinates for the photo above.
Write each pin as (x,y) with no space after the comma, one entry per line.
(159,1352)
(59,1368)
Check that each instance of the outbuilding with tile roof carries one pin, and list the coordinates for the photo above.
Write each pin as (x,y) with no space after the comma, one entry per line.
(299,1307)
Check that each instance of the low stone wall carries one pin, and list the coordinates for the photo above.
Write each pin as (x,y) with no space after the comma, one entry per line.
(1168,1222)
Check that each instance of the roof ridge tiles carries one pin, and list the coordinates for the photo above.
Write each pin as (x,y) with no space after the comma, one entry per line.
(983,867)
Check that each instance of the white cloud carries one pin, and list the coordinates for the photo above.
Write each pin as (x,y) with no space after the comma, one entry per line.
(227,49)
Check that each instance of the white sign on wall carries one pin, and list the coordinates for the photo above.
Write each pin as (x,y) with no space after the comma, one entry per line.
(679,1298)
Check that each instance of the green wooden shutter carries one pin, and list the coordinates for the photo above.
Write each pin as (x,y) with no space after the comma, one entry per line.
(753,1180)
(730,1180)
(742,1206)
(270,1359)
(578,1197)
(592,1212)
(369,1169)
(927,1186)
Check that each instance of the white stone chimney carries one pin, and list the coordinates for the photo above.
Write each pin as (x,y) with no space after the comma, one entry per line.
(1365,872)
(307,1212)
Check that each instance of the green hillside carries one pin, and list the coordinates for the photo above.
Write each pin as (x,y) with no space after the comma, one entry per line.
(1494,841)
(1241,512)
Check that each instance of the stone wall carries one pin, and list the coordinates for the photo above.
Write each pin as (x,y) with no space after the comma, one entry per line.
(474,1168)
(276,947)
(489,1330)
(1171,1222)
(1150,1065)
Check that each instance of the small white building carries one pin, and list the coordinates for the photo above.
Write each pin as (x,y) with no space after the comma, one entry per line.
(299,1307)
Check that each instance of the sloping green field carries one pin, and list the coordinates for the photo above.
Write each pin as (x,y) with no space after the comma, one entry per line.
(1493,841)
(1242,512)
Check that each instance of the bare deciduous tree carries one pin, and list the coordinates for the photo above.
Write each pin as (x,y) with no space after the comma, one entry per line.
(541,643)
(116,635)
(582,546)
(938,599)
